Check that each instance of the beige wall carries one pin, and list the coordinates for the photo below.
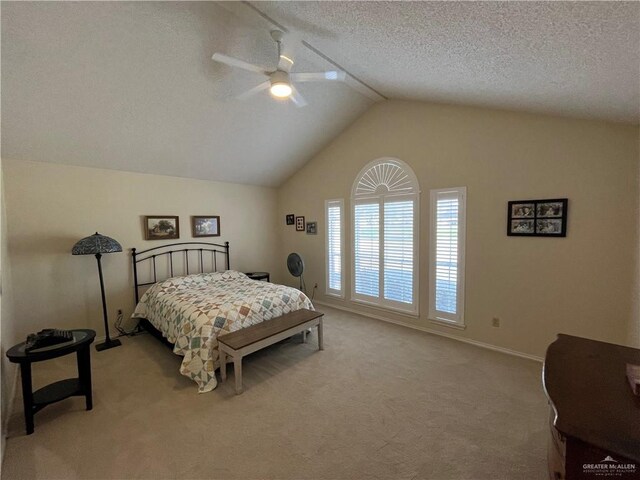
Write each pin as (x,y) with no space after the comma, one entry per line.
(49,207)
(582,284)
(7,327)
(634,327)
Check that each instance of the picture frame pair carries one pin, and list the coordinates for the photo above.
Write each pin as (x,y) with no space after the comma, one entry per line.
(537,218)
(167,227)
(298,221)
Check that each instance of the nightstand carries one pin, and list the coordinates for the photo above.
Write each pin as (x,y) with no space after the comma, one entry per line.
(258,276)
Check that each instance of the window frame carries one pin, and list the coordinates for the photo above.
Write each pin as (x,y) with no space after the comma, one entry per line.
(437,316)
(328,290)
(380,199)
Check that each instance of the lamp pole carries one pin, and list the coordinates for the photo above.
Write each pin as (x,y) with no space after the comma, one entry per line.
(108,343)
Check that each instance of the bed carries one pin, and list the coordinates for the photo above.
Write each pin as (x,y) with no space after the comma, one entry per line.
(207,300)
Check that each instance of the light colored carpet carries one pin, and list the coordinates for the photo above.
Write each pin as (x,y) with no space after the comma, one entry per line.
(380,402)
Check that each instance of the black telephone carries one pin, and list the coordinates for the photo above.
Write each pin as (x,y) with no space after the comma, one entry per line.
(46,338)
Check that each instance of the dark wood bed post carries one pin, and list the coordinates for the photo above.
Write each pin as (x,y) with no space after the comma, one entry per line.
(135,274)
(226,246)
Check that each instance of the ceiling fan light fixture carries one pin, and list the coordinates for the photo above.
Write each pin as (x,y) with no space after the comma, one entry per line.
(280,84)
(281,90)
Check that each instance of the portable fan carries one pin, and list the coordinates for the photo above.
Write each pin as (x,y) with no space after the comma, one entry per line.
(296,268)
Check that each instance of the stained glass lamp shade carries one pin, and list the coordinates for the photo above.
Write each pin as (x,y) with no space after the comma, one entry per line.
(96,243)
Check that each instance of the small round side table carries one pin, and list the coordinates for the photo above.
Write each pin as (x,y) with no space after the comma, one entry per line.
(81,386)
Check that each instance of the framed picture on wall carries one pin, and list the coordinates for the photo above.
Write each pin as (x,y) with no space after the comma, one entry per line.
(290,219)
(538,218)
(205,226)
(312,228)
(162,227)
(299,224)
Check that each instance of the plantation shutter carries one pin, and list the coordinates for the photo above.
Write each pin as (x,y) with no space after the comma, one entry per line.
(334,247)
(447,257)
(398,251)
(367,249)
(385,198)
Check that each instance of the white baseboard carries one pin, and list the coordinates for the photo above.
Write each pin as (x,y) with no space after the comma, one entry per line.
(488,346)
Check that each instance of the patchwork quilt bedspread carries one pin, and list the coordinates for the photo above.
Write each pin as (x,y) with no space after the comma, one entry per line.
(192,311)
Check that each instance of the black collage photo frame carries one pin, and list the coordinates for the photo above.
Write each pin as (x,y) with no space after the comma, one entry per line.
(537,218)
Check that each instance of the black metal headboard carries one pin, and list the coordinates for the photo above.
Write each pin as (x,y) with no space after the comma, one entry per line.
(167,252)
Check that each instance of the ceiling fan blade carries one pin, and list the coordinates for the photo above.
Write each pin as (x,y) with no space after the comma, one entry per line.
(319,76)
(254,90)
(234,62)
(297,98)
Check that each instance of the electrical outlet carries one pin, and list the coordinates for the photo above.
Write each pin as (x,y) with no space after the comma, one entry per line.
(495,322)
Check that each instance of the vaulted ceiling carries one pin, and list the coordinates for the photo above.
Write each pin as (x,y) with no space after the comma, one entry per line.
(568,58)
(131,85)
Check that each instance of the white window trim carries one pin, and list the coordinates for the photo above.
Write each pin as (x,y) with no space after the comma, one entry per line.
(380,302)
(436,316)
(330,291)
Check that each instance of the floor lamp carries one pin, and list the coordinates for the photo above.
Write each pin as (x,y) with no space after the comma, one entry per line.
(97,244)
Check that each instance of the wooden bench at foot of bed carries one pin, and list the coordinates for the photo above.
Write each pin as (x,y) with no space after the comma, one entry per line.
(256,337)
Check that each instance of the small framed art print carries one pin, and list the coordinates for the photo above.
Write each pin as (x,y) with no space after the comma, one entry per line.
(205,226)
(299,224)
(312,228)
(538,218)
(290,218)
(161,227)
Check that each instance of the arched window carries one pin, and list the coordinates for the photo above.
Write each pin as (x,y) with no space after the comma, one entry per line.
(385,200)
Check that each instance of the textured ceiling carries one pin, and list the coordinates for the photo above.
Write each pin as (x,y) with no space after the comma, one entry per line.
(569,58)
(131,85)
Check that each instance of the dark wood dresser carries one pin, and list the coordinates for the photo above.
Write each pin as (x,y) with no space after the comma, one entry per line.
(595,417)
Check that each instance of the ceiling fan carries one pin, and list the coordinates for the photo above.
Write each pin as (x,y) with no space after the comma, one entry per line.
(280,81)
